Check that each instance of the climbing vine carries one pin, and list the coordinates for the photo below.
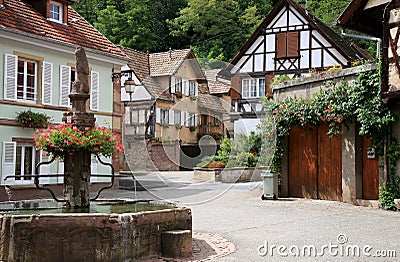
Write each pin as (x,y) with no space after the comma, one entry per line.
(338,105)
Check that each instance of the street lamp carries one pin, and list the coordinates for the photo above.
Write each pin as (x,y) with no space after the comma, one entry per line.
(130,87)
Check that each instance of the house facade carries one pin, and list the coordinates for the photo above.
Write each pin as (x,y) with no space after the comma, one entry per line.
(290,42)
(37,44)
(165,115)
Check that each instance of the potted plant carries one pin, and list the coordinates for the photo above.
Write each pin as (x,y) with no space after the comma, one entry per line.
(165,124)
(178,126)
(192,128)
(32,119)
(179,94)
(65,138)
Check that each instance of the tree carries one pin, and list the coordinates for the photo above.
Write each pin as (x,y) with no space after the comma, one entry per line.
(216,28)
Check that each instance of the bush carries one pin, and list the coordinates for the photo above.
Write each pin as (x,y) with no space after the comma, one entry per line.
(388,195)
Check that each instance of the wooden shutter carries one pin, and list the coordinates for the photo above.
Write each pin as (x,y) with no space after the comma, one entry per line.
(47,83)
(293,44)
(171,117)
(94,91)
(158,115)
(10,77)
(65,85)
(235,87)
(44,169)
(281,45)
(8,160)
(268,89)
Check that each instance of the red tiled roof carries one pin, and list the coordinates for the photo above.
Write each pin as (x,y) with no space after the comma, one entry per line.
(139,62)
(167,63)
(20,17)
(216,85)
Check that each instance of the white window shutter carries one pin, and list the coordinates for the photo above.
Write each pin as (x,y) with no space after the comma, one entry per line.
(60,178)
(196,89)
(188,115)
(173,83)
(171,117)
(10,77)
(94,91)
(195,120)
(183,118)
(44,169)
(47,83)
(186,87)
(158,115)
(65,85)
(8,161)
(93,168)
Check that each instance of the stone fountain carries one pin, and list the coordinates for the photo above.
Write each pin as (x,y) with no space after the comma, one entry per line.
(91,236)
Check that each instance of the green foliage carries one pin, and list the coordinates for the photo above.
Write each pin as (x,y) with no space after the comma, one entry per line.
(280,78)
(388,194)
(338,104)
(32,119)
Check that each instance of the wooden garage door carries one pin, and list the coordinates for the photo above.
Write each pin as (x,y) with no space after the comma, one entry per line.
(329,165)
(315,164)
(370,181)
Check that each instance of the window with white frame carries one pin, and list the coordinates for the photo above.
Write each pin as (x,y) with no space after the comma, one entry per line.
(178,85)
(252,88)
(56,12)
(21,79)
(26,80)
(191,121)
(192,88)
(24,162)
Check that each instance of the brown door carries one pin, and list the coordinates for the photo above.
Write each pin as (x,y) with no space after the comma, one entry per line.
(370,173)
(329,165)
(302,163)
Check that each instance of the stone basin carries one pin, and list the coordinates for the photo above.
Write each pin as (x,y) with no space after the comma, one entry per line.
(88,236)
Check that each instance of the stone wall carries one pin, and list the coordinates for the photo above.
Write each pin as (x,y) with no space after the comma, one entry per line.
(91,237)
(165,156)
(229,175)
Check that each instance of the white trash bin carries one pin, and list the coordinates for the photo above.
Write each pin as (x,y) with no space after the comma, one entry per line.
(270,184)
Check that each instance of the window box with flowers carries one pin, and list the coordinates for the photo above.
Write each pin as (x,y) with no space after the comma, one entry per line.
(62,139)
(178,126)
(179,94)
(32,119)
(192,128)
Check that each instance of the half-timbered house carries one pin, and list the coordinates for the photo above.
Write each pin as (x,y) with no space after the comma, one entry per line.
(169,111)
(290,41)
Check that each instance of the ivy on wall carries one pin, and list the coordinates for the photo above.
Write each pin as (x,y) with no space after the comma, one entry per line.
(338,105)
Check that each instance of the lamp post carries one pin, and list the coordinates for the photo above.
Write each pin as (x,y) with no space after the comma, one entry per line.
(130,87)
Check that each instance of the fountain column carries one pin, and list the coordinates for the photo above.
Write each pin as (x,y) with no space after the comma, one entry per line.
(77,164)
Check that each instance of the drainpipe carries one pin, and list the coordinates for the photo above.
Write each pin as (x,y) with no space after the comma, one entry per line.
(378,41)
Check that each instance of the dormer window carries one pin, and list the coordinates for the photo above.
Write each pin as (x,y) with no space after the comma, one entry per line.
(56,12)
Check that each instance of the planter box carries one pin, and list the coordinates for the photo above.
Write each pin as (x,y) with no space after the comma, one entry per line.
(229,175)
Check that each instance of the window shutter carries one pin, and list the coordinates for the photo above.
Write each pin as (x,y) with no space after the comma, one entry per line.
(195,120)
(94,91)
(173,83)
(44,169)
(10,77)
(196,89)
(235,87)
(60,179)
(186,87)
(8,160)
(281,45)
(158,115)
(171,117)
(65,85)
(183,118)
(47,83)
(292,44)
(93,168)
